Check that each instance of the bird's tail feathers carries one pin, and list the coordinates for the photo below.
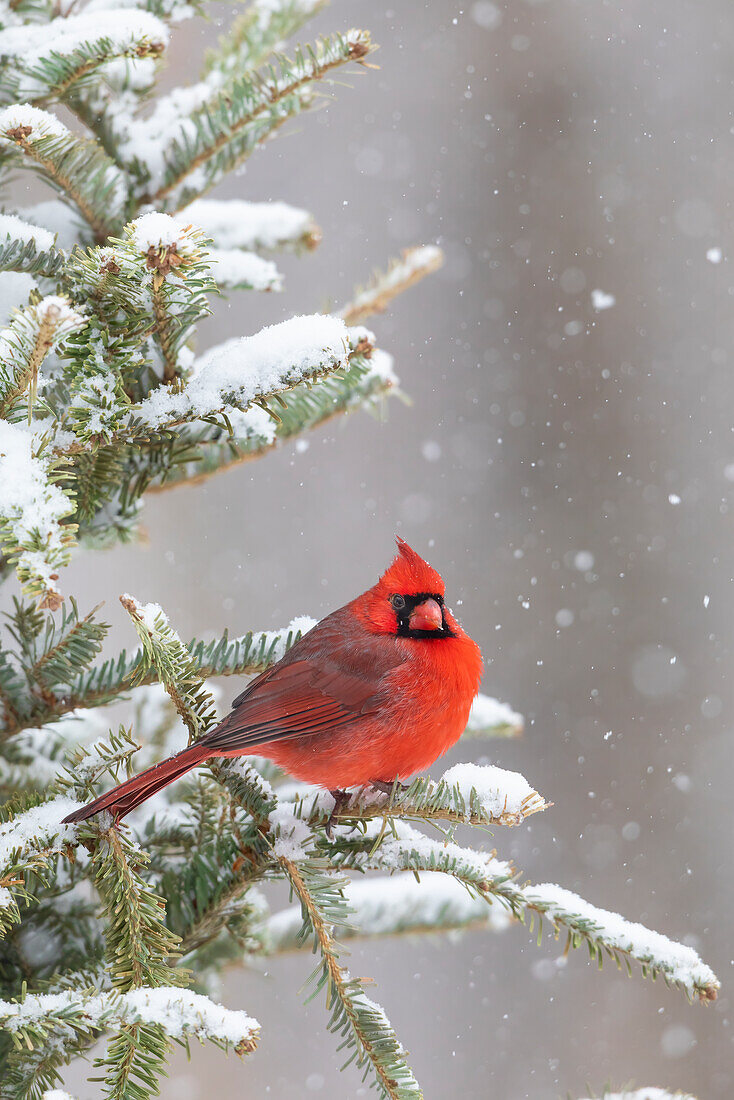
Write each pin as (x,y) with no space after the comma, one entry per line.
(121,800)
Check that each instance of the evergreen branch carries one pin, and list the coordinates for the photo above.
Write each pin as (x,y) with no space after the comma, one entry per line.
(259,31)
(254,434)
(401,274)
(395,905)
(30,840)
(80,169)
(138,942)
(246,655)
(68,647)
(81,1013)
(174,665)
(32,333)
(47,62)
(256,226)
(252,370)
(34,536)
(360,1022)
(467,794)
(19,254)
(607,933)
(225,130)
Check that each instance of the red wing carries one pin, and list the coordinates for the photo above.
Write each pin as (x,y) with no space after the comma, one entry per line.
(291,700)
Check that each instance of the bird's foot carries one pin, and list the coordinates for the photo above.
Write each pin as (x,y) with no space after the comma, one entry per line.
(341,799)
(385,786)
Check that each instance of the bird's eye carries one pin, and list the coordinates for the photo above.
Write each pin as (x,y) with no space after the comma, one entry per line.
(398,602)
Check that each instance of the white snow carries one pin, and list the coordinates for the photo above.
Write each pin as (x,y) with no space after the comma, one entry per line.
(42,123)
(679,962)
(413,264)
(160,231)
(56,1094)
(30,505)
(714,255)
(15,289)
(600,300)
(35,43)
(386,904)
(292,834)
(499,792)
(59,219)
(250,366)
(148,613)
(232,268)
(19,230)
(234,223)
(487,714)
(181,1012)
(380,365)
(36,827)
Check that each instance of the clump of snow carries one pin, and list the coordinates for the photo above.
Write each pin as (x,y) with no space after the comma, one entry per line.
(292,834)
(181,1012)
(714,255)
(680,963)
(37,827)
(251,366)
(42,124)
(30,505)
(56,1094)
(19,230)
(59,219)
(600,300)
(500,793)
(381,365)
(232,268)
(151,615)
(34,44)
(178,1011)
(490,714)
(160,231)
(15,290)
(234,223)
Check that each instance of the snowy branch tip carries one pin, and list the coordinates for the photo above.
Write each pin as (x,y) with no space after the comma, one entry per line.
(179,1012)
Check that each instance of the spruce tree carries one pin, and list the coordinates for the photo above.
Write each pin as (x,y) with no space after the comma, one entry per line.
(119,931)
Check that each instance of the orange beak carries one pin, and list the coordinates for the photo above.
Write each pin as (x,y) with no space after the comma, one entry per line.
(426,616)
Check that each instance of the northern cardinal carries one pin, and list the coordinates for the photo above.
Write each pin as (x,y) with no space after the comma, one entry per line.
(376,691)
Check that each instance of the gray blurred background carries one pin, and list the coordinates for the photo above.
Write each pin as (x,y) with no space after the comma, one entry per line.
(569,470)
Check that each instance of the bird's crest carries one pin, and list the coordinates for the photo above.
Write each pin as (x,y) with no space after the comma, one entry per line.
(409,574)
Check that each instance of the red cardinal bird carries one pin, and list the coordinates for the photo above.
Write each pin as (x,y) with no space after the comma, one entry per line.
(376,691)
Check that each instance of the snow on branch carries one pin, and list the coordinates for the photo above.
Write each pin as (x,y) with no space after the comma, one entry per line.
(491,718)
(251,368)
(78,168)
(223,131)
(398,904)
(179,1012)
(607,931)
(467,794)
(47,60)
(233,269)
(32,507)
(414,265)
(235,223)
(28,842)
